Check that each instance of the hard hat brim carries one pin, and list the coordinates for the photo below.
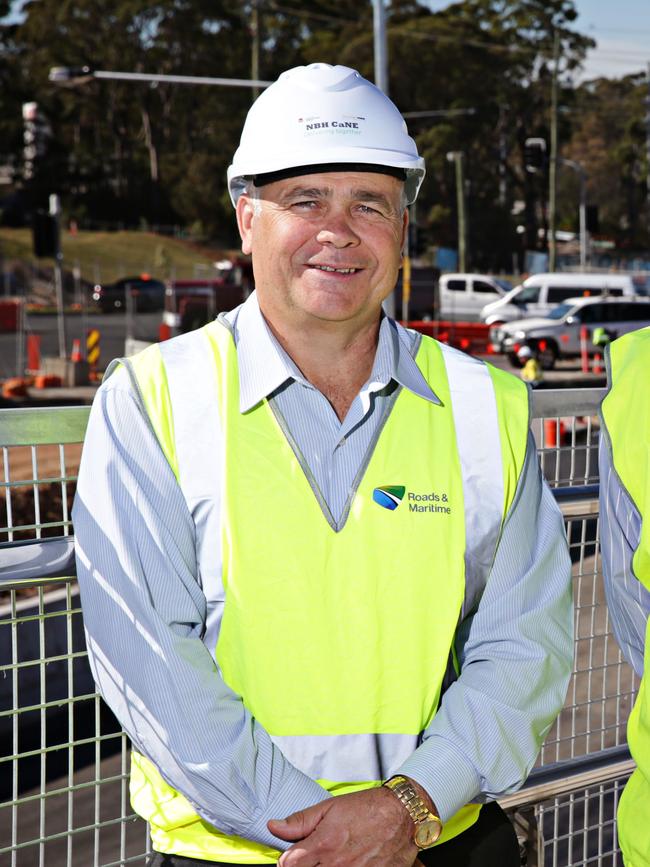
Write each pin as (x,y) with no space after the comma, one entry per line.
(240,173)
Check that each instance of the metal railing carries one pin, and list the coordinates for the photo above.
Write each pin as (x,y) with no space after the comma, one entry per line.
(64,765)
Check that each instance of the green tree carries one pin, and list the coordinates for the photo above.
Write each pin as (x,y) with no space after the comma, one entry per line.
(158,154)
(609,139)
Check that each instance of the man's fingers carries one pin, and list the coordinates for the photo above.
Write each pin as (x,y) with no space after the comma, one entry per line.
(299,824)
(291,828)
(298,857)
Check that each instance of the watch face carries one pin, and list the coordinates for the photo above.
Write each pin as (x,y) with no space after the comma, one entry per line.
(427,832)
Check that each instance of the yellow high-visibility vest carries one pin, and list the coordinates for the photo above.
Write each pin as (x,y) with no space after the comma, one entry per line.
(337,639)
(626,413)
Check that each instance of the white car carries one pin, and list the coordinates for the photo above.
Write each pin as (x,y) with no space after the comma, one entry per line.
(557,335)
(539,293)
(463,296)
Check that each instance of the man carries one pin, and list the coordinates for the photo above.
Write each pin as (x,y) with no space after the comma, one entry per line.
(315,551)
(624,463)
(531,369)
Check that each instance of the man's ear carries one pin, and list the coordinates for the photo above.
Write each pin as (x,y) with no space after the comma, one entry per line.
(245,212)
(405,228)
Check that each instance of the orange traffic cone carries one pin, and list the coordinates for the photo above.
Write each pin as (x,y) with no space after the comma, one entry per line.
(554,432)
(76,355)
(597,366)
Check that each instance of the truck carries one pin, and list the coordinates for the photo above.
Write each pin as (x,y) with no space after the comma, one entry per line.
(190,304)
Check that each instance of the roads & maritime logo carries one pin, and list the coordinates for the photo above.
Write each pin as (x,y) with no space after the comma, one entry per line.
(390,496)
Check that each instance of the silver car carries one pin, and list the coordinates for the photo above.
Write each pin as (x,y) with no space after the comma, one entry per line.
(558,334)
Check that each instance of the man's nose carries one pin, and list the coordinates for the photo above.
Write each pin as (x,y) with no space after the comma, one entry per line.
(337,231)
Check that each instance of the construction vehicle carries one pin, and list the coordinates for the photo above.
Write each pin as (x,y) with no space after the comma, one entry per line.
(190,304)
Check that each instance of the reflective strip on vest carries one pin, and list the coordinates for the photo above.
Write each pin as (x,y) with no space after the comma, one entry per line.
(626,415)
(469,475)
(479,449)
(347,758)
(189,366)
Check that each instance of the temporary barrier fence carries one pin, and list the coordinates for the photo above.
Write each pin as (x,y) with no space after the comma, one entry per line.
(472,337)
(65,801)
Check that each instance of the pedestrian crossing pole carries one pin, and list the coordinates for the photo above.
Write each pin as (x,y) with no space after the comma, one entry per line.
(93,349)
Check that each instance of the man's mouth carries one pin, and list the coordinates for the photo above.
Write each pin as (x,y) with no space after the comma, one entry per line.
(334,270)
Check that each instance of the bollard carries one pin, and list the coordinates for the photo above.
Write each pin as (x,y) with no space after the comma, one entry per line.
(33,352)
(584,349)
(92,351)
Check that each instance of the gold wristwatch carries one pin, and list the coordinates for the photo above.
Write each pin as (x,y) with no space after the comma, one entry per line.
(428,826)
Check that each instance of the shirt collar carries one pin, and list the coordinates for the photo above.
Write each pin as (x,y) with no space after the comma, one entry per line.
(407,373)
(264,365)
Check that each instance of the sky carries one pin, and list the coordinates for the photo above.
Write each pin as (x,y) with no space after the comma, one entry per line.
(621,29)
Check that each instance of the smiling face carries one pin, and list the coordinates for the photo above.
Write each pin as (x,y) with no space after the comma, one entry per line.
(326,247)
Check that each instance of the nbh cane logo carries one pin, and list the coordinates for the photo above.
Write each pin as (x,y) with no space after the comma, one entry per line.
(389,496)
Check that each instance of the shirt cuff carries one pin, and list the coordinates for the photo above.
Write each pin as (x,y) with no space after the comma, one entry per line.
(444,773)
(299,793)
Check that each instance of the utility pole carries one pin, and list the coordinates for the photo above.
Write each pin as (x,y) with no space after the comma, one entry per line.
(458,159)
(503,156)
(584,239)
(381,80)
(255,47)
(583,221)
(381,53)
(647,150)
(552,171)
(55,212)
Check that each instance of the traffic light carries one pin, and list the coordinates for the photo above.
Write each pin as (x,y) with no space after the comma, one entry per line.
(417,240)
(593,221)
(36,134)
(45,228)
(535,154)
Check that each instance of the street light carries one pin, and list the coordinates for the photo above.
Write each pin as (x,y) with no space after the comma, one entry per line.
(73,75)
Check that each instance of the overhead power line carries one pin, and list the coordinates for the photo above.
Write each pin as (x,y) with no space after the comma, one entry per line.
(408,29)
(442,112)
(301,13)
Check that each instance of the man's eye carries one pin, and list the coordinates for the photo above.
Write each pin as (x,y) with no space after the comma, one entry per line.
(306,204)
(368,209)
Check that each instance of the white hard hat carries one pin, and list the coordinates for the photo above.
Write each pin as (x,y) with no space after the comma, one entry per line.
(525,352)
(319,116)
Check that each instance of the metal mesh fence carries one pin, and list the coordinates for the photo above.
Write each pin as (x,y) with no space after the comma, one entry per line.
(64,760)
(64,775)
(565,427)
(580,828)
(603,686)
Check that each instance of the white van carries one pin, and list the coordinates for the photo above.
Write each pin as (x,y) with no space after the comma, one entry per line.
(538,294)
(463,296)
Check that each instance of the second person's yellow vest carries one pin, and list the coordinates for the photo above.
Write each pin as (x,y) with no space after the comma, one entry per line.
(626,413)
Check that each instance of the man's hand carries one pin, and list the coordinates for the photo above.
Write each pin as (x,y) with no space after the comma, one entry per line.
(363,829)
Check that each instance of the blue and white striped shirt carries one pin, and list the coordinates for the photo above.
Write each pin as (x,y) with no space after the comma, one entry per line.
(144,611)
(628,601)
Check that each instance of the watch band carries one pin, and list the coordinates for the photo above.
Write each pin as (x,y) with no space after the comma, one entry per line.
(423,819)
